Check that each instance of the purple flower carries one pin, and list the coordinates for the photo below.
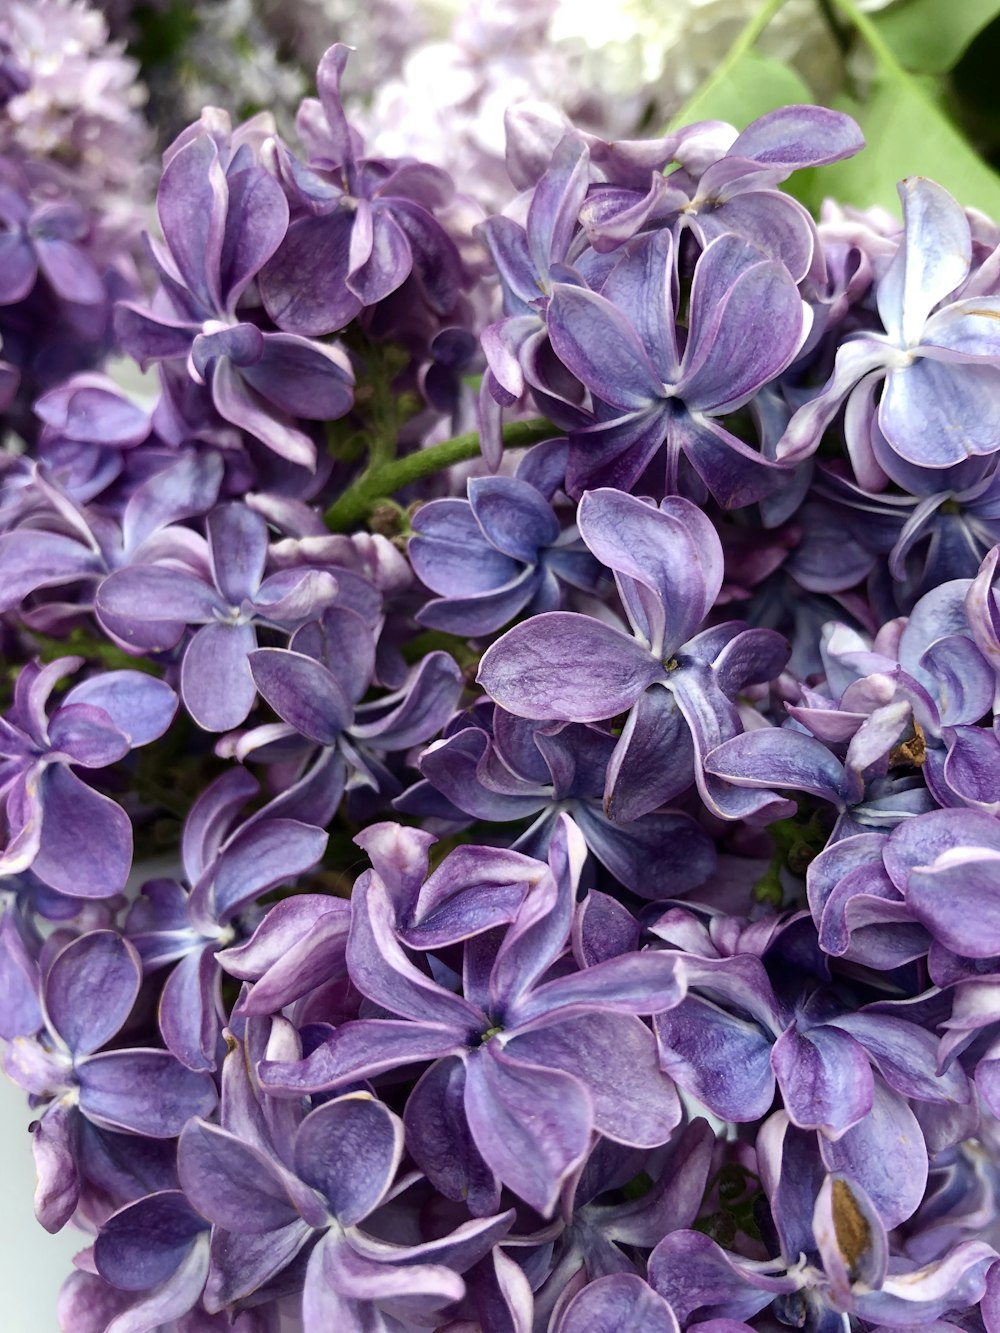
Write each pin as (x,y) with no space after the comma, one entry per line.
(221,224)
(524,1068)
(653,399)
(229,864)
(73,838)
(492,557)
(223,589)
(312,1186)
(933,351)
(87,996)
(499,767)
(364,224)
(675,684)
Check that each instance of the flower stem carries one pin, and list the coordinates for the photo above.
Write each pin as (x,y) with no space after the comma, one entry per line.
(382,480)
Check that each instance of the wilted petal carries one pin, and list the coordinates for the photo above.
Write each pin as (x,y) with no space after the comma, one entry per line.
(57,1191)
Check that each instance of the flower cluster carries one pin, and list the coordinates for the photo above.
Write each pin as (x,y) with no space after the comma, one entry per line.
(556,896)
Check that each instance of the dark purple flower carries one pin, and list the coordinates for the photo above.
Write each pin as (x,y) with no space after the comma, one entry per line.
(657,402)
(497,555)
(221,224)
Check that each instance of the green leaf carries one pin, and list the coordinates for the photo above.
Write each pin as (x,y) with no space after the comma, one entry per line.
(930,36)
(754,84)
(907,134)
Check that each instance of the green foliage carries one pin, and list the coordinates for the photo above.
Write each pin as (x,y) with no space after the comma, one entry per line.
(904,110)
(930,36)
(752,85)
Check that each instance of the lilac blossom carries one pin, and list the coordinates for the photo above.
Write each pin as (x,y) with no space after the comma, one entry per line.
(499,767)
(933,351)
(222,589)
(656,403)
(229,864)
(87,995)
(492,557)
(674,683)
(362,225)
(222,220)
(524,1071)
(74,838)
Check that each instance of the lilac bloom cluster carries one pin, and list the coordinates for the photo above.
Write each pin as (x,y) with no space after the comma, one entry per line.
(536,880)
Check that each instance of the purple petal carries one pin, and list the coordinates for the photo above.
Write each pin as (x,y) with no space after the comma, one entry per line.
(304,287)
(149,606)
(139,705)
(697,1277)
(722,1060)
(143,1092)
(53,1146)
(304,379)
(256,222)
(933,259)
(303,693)
(673,552)
(380,969)
(262,855)
(237,540)
(438,1137)
(360,1050)
(81,734)
(239,404)
(826,1081)
(90,989)
(216,685)
(191,204)
(614,1056)
(233,1184)
(189,1020)
(532,1125)
(780,757)
(936,413)
(350,1150)
(956,899)
(618,1301)
(658,856)
(799,136)
(885,1153)
(595,341)
(513,516)
(567,667)
(86,839)
(639,983)
(144,1243)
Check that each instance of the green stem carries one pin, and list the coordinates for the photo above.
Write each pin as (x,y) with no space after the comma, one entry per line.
(384,479)
(744,42)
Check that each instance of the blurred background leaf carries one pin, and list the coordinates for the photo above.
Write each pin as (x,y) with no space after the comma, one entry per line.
(930,36)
